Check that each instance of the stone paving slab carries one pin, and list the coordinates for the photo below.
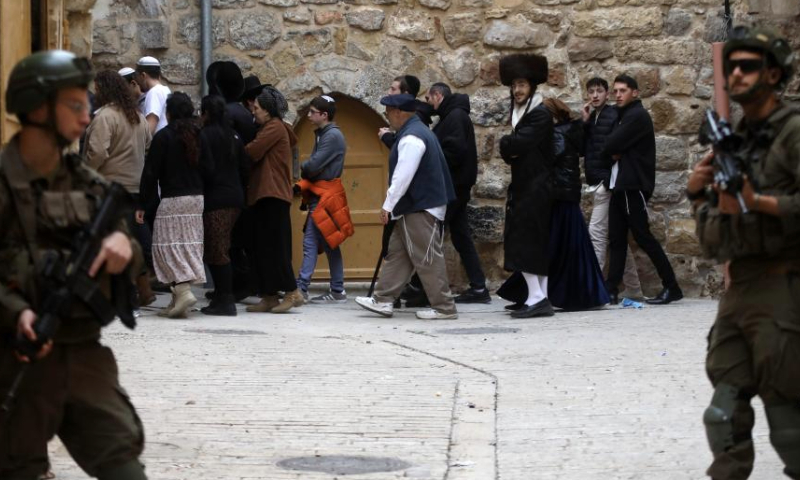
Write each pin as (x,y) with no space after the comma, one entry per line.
(606,394)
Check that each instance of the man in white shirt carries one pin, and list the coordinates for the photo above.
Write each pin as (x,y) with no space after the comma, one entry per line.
(148,76)
(419,190)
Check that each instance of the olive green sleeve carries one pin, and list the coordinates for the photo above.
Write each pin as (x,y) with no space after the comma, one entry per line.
(789,204)
(11,305)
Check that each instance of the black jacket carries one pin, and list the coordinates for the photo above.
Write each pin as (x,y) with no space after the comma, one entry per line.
(596,130)
(166,166)
(241,120)
(634,138)
(224,165)
(457,138)
(567,143)
(529,152)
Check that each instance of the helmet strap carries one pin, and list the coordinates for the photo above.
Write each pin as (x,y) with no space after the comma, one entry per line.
(753,93)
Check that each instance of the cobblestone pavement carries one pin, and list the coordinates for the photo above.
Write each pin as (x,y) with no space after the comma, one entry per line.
(608,394)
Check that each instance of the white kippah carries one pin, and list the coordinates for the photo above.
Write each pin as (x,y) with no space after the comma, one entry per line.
(327,98)
(148,62)
(125,71)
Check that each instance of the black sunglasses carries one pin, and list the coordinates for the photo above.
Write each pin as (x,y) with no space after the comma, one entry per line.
(749,65)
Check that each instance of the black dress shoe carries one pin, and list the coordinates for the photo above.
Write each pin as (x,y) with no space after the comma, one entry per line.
(474,296)
(539,309)
(667,295)
(514,306)
(613,298)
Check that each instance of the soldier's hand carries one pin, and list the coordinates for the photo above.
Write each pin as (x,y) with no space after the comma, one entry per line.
(728,204)
(115,253)
(702,174)
(25,328)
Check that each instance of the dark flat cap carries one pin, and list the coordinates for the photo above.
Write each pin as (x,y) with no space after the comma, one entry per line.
(401,101)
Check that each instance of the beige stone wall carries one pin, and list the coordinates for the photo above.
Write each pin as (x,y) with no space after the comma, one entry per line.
(357,46)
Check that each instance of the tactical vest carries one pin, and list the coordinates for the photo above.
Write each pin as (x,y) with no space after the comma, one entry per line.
(753,234)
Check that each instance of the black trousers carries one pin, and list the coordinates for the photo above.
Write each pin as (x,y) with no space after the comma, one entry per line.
(272,247)
(461,235)
(628,211)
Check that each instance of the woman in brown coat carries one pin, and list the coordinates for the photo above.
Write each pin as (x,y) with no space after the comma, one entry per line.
(269,194)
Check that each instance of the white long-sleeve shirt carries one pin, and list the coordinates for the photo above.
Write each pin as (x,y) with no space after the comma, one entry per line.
(410,150)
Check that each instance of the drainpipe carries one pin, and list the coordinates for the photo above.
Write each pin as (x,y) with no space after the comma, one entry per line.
(721,101)
(205,43)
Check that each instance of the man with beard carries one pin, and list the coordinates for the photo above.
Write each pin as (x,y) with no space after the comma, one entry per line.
(754,345)
(528,149)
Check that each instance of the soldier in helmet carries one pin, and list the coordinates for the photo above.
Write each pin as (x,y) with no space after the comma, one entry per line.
(72,388)
(754,345)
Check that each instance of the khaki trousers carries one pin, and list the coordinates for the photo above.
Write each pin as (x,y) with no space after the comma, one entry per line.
(598,231)
(416,245)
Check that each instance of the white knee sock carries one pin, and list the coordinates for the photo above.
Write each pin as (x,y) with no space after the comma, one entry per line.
(536,291)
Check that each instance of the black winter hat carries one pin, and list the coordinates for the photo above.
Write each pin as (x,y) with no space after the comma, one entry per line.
(529,66)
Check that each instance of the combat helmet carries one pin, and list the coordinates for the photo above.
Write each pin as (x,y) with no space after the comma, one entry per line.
(764,40)
(37,77)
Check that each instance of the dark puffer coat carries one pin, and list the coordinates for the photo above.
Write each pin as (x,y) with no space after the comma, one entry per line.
(596,130)
(567,142)
(529,152)
(457,138)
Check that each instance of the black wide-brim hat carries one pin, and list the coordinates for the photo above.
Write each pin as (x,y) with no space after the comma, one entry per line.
(253,87)
(529,66)
(225,78)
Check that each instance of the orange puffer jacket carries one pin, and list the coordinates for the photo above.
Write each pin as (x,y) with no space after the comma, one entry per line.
(332,215)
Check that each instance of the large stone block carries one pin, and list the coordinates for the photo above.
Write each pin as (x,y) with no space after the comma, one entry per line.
(490,106)
(714,28)
(786,8)
(462,28)
(371,84)
(678,22)
(540,15)
(287,61)
(517,33)
(337,80)
(437,4)
(649,80)
(475,3)
(664,52)
(152,34)
(229,4)
(395,56)
(670,187)
(557,75)
(369,19)
(181,68)
(584,49)
(681,237)
(671,154)
(680,80)
(327,17)
(298,15)
(487,222)
(312,42)
(460,66)
(674,117)
(250,31)
(189,30)
(79,6)
(333,62)
(358,51)
(493,180)
(320,2)
(630,3)
(298,86)
(619,22)
(490,69)
(412,25)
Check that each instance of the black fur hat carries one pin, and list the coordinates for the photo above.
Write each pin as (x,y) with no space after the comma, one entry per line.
(529,66)
(225,78)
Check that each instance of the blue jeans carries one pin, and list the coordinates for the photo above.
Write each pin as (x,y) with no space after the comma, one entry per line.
(312,238)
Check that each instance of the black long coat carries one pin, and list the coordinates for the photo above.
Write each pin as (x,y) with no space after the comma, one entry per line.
(529,152)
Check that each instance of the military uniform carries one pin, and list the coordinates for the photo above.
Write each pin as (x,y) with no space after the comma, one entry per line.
(754,345)
(74,391)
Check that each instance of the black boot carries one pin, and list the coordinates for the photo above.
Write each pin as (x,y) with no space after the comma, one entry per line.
(222,305)
(223,302)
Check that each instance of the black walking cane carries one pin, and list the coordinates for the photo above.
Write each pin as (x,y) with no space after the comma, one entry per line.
(387,234)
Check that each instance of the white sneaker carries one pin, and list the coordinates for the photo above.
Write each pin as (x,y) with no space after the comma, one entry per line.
(431,314)
(381,308)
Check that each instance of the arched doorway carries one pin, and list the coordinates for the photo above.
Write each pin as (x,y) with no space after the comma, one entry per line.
(366,170)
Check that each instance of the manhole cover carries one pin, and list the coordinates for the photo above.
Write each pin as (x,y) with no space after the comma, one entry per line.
(343,464)
(478,331)
(220,331)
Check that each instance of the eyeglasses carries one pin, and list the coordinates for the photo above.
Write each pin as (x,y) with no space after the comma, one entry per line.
(76,106)
(748,65)
(311,111)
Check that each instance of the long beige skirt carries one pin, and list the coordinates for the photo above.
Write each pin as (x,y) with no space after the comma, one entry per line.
(178,240)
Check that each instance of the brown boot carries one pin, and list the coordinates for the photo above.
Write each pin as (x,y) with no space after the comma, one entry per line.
(267,303)
(291,299)
(146,295)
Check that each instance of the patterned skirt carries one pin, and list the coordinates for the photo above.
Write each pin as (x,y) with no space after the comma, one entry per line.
(178,240)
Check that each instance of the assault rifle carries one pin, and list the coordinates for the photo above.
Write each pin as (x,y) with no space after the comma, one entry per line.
(729,168)
(65,280)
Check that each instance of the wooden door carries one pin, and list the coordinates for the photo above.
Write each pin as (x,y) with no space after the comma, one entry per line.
(365,178)
(15,25)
